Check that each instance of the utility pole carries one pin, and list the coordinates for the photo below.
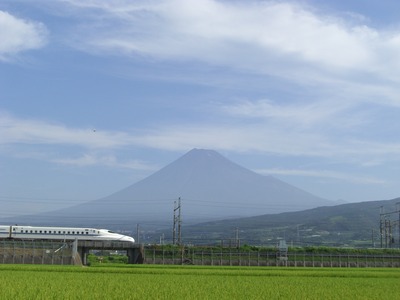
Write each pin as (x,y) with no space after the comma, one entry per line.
(177,222)
(162,239)
(372,238)
(237,238)
(180,223)
(137,233)
(387,232)
(298,234)
(381,225)
(398,210)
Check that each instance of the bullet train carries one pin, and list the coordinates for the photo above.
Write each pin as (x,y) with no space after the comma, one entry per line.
(60,233)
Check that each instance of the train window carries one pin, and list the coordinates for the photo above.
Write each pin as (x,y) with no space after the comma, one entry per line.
(73,232)
(69,232)
(35,231)
(87,232)
(26,231)
(31,231)
(59,231)
(45,231)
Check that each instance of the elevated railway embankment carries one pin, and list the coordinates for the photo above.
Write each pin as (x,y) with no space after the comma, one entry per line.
(135,252)
(13,251)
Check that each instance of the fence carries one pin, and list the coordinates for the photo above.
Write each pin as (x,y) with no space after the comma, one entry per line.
(233,257)
(38,252)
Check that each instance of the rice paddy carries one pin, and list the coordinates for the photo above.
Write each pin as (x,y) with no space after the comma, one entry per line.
(194,282)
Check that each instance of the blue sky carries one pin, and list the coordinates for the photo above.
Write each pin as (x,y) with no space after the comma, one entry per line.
(96,95)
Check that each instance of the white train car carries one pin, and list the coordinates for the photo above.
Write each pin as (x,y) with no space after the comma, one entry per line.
(61,233)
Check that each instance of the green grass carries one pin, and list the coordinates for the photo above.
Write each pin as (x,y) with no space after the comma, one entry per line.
(194,282)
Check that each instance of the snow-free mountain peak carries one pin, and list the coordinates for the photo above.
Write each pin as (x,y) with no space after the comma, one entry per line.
(210,187)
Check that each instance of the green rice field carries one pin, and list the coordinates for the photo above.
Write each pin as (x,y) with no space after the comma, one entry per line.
(194,282)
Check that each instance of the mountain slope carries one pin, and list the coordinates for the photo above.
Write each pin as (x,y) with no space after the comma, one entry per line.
(355,224)
(210,186)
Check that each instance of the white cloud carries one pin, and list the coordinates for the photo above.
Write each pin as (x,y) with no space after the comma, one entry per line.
(28,131)
(258,32)
(241,137)
(358,179)
(285,40)
(18,35)
(305,114)
(104,160)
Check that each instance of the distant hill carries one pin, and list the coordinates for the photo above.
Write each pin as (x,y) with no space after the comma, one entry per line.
(353,224)
(211,187)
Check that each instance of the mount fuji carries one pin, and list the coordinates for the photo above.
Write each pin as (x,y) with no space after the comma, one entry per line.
(209,186)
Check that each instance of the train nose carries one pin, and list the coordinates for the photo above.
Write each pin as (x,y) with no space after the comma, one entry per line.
(128,239)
